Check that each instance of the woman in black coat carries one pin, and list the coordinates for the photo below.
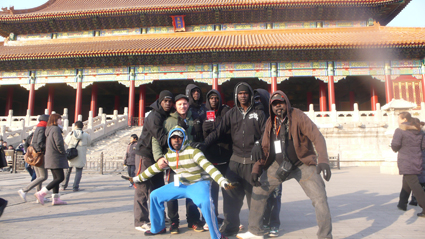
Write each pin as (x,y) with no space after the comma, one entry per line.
(408,142)
(55,159)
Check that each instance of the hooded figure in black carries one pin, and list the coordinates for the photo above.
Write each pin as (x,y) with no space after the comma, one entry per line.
(246,125)
(263,104)
(219,153)
(152,127)
(198,111)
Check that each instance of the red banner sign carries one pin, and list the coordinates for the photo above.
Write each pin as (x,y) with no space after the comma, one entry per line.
(178,23)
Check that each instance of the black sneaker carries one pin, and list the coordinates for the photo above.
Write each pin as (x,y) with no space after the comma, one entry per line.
(149,233)
(174,228)
(197,226)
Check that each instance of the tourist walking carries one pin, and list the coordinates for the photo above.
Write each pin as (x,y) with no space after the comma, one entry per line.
(408,141)
(81,140)
(54,159)
(130,157)
(38,142)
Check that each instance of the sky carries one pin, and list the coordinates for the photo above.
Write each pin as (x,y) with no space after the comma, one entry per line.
(411,16)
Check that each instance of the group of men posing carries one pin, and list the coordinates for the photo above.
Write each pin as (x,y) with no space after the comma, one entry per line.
(256,145)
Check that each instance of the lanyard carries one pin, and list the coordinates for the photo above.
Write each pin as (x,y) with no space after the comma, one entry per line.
(177,159)
(275,125)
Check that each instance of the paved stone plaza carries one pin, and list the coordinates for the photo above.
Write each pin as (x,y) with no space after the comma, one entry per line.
(362,201)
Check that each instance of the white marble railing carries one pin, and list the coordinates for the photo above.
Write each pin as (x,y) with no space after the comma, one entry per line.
(98,127)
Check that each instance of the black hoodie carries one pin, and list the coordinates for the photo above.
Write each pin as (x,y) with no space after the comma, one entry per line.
(220,152)
(264,98)
(197,107)
(245,127)
(152,127)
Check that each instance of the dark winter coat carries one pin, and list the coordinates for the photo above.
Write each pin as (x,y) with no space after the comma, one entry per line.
(39,139)
(130,155)
(221,151)
(421,176)
(55,156)
(245,128)
(302,132)
(152,127)
(408,142)
(264,98)
(197,107)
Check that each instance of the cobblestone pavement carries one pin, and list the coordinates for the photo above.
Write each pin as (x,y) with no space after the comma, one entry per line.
(362,201)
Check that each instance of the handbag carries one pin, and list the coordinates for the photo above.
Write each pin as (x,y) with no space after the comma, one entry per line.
(32,157)
(72,153)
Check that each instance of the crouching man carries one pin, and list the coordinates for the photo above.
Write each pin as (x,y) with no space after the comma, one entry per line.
(192,180)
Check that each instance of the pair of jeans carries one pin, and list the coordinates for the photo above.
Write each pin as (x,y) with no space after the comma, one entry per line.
(41,173)
(58,177)
(77,179)
(31,171)
(199,192)
(313,186)
(410,184)
(271,214)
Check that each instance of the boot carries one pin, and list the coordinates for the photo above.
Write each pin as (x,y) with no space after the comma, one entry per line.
(41,194)
(413,201)
(56,200)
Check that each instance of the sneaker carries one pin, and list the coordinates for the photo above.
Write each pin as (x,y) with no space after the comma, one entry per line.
(206,228)
(76,190)
(130,186)
(149,233)
(23,195)
(421,214)
(248,235)
(266,229)
(174,228)
(197,227)
(145,227)
(274,232)
(241,227)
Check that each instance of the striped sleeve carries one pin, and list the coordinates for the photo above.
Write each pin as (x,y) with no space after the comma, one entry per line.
(200,159)
(150,172)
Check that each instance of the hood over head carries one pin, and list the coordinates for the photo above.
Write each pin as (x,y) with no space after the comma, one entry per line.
(288,105)
(192,102)
(78,134)
(207,103)
(243,86)
(181,131)
(264,98)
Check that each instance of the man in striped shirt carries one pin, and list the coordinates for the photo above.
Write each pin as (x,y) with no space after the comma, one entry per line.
(193,180)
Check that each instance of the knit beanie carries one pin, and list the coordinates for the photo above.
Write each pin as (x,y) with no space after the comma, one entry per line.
(43,118)
(165,94)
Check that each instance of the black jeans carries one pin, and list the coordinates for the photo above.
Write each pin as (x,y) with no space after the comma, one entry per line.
(192,212)
(233,199)
(58,177)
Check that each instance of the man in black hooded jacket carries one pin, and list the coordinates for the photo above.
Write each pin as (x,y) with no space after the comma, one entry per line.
(152,127)
(246,125)
(196,106)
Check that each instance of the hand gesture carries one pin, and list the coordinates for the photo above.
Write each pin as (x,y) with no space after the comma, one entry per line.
(127,178)
(324,167)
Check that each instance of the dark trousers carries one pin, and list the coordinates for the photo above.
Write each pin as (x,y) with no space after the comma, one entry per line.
(192,212)
(215,187)
(58,177)
(142,191)
(410,184)
(131,169)
(271,214)
(31,171)
(233,199)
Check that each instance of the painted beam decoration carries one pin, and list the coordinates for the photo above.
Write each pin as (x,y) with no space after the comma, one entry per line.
(178,23)
(106,74)
(358,68)
(244,70)
(14,78)
(199,72)
(316,69)
(406,67)
(51,76)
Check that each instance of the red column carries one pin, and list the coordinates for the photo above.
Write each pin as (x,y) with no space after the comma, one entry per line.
(78,100)
(31,98)
(50,99)
(423,85)
(215,84)
(274,84)
(373,97)
(117,102)
(331,91)
(352,99)
(142,98)
(131,102)
(388,88)
(322,96)
(309,99)
(93,101)
(9,101)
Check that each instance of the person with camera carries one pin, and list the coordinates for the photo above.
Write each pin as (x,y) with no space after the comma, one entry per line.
(80,140)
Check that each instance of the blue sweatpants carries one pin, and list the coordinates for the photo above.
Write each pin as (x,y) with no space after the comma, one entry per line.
(199,193)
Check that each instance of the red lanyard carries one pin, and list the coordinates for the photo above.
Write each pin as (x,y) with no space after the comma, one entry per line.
(275,125)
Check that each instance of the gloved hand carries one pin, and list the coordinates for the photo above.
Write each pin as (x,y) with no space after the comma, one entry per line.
(128,178)
(197,126)
(182,123)
(324,167)
(208,126)
(255,177)
(198,145)
(228,185)
(256,152)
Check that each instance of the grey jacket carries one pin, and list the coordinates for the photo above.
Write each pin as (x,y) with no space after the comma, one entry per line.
(55,156)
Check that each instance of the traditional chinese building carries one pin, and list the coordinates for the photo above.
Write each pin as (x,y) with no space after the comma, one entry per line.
(112,54)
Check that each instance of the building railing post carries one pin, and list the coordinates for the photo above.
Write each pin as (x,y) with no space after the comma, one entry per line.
(101,163)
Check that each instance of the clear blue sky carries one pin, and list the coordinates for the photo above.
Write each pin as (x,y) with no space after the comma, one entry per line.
(412,16)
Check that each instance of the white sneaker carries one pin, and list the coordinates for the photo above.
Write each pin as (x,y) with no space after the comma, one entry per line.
(241,227)
(248,235)
(206,228)
(23,195)
(143,228)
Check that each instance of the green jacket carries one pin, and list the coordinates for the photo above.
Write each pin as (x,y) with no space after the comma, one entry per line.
(170,123)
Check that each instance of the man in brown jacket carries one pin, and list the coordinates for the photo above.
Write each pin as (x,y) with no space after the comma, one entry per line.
(287,152)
